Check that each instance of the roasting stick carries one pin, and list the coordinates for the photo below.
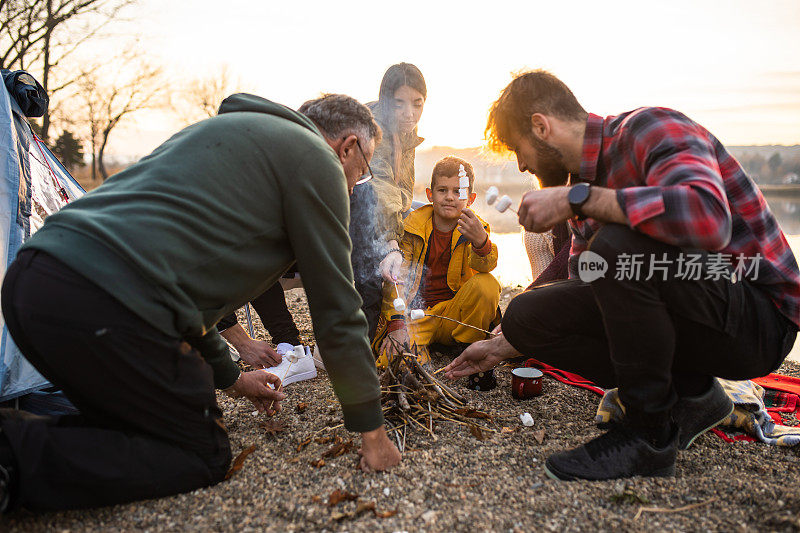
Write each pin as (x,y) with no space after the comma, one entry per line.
(293,358)
(416,314)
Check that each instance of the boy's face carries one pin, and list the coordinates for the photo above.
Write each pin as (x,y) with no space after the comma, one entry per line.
(444,197)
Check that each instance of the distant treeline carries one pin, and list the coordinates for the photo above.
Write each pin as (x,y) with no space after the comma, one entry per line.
(765,164)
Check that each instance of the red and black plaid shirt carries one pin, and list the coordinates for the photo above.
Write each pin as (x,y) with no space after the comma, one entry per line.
(678,184)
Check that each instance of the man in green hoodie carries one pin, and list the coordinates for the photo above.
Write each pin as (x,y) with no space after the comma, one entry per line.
(116,298)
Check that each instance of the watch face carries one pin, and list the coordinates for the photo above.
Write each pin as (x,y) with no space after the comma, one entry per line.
(578,194)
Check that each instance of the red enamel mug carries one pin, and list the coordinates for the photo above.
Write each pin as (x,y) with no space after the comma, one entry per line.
(526,383)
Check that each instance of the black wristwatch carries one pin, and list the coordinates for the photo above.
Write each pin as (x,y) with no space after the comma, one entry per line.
(577,196)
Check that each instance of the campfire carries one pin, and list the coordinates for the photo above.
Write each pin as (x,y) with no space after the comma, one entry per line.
(413,397)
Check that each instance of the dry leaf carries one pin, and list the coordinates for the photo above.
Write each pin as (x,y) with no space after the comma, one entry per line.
(338,449)
(472,413)
(365,506)
(304,444)
(384,514)
(316,499)
(477,433)
(328,438)
(300,407)
(273,427)
(339,516)
(319,463)
(339,496)
(505,429)
(539,435)
(238,463)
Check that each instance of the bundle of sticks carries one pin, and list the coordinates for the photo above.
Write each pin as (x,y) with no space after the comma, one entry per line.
(413,397)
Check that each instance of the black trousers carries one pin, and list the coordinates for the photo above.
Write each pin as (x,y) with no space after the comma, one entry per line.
(274,314)
(656,340)
(149,423)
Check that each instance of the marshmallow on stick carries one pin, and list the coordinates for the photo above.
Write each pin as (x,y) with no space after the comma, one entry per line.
(399,305)
(416,314)
(504,203)
(491,195)
(463,183)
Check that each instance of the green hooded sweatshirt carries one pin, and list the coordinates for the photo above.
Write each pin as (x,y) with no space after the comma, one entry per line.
(210,220)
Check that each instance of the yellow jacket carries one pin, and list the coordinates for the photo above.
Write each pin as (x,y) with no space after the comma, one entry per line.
(464,263)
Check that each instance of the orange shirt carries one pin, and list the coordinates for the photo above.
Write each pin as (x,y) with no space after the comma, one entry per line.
(434,279)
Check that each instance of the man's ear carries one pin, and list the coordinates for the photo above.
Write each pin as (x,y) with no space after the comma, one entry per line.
(346,148)
(429,192)
(540,126)
(471,198)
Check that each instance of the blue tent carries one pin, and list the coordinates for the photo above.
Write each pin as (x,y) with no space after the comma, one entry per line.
(33,185)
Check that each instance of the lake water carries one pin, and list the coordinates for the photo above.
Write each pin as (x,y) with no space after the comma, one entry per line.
(514,269)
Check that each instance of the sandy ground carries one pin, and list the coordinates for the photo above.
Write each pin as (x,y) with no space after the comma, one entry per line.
(457,482)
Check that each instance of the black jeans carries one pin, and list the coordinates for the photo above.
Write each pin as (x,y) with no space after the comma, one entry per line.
(274,314)
(656,340)
(149,423)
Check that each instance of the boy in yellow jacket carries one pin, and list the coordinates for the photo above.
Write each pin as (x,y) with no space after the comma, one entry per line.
(447,259)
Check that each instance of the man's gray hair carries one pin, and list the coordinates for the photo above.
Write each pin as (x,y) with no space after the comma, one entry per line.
(339,115)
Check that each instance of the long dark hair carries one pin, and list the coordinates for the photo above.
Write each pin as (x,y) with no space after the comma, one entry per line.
(394,78)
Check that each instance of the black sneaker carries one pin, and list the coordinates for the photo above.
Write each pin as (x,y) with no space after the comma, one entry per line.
(697,414)
(619,453)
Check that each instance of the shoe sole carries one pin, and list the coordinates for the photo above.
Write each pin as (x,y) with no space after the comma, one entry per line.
(302,376)
(712,426)
(554,474)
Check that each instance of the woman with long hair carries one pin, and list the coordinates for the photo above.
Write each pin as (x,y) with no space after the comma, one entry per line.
(401,99)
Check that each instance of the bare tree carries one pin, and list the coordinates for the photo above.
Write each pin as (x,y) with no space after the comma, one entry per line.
(201,96)
(39,35)
(112,97)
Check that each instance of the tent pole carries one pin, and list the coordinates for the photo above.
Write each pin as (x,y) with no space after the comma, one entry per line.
(249,320)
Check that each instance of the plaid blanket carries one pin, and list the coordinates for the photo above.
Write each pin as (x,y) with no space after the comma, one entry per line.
(756,414)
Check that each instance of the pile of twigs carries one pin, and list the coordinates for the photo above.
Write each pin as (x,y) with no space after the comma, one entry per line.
(413,397)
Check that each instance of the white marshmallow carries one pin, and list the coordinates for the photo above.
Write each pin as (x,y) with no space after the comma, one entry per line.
(526,419)
(416,314)
(463,194)
(491,195)
(399,305)
(463,182)
(503,203)
(296,354)
(461,171)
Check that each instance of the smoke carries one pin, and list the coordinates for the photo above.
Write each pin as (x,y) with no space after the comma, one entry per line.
(368,246)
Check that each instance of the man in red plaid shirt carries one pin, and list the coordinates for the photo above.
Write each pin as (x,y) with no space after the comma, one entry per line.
(679,272)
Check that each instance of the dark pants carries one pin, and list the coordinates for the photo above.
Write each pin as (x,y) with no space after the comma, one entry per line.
(274,314)
(149,423)
(656,340)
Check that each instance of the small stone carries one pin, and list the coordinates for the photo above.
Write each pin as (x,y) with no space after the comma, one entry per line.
(387,491)
(429,517)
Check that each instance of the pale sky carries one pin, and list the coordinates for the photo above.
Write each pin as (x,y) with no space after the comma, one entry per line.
(733,66)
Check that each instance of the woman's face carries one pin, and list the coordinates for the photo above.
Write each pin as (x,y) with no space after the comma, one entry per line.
(408,104)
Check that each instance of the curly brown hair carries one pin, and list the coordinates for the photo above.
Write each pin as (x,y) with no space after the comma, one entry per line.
(448,166)
(529,93)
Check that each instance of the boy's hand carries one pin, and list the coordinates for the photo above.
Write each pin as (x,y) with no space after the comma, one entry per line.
(399,335)
(470,227)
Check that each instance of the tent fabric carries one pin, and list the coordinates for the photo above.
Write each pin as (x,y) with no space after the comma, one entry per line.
(33,185)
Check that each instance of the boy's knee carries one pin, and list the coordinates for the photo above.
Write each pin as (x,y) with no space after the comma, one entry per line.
(485,287)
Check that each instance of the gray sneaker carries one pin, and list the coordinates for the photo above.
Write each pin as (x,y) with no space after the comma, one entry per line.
(697,414)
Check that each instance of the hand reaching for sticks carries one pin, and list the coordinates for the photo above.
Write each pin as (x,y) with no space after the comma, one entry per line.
(480,357)
(255,386)
(377,451)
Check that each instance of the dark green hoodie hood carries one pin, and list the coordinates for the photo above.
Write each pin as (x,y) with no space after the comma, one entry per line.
(244,102)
